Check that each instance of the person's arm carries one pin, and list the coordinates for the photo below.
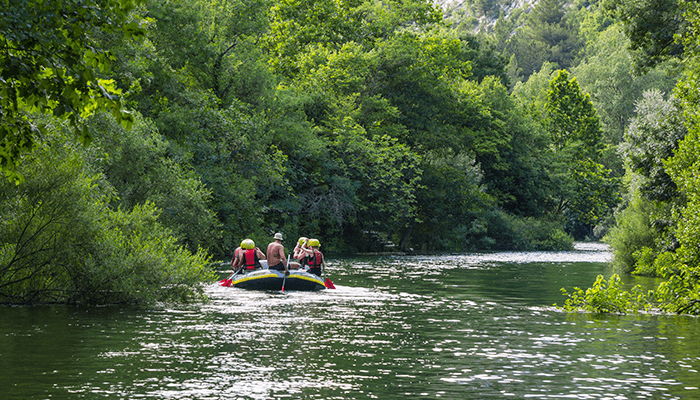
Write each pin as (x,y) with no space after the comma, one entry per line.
(261,255)
(283,258)
(239,260)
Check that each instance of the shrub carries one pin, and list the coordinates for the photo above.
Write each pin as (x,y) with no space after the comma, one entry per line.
(632,233)
(528,234)
(61,243)
(607,297)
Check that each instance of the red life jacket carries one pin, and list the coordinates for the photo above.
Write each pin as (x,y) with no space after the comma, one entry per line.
(250,257)
(315,260)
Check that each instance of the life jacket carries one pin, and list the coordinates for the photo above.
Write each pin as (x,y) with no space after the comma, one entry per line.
(315,260)
(251,260)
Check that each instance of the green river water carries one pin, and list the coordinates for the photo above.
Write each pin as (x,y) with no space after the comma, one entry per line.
(458,326)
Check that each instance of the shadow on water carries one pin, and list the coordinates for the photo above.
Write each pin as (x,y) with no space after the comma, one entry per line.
(453,326)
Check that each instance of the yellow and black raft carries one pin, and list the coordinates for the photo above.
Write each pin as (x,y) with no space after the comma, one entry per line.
(270,279)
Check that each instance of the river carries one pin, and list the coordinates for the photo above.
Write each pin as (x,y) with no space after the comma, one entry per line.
(456,326)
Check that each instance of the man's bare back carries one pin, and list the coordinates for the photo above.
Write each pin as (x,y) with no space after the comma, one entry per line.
(275,254)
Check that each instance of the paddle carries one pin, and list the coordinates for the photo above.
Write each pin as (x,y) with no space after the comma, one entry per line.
(329,284)
(227,282)
(286,272)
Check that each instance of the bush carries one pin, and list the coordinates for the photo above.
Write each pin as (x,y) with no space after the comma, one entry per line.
(607,297)
(528,234)
(632,233)
(61,243)
(138,164)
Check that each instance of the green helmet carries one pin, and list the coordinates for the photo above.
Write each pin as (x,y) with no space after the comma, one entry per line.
(314,243)
(248,244)
(302,240)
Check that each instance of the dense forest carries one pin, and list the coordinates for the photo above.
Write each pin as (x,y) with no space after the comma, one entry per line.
(142,138)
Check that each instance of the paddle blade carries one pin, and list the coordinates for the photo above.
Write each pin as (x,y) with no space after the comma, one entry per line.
(329,284)
(226,282)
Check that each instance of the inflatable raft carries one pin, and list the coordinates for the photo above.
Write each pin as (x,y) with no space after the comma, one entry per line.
(270,279)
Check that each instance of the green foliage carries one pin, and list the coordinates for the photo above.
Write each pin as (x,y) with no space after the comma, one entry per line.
(650,263)
(297,24)
(650,25)
(61,242)
(607,297)
(571,119)
(679,293)
(213,43)
(452,181)
(137,164)
(606,73)
(386,173)
(509,149)
(351,120)
(653,137)
(135,260)
(585,190)
(527,234)
(547,36)
(595,194)
(632,232)
(51,64)
(532,94)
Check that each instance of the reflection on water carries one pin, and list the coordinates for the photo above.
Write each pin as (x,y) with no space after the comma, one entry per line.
(453,326)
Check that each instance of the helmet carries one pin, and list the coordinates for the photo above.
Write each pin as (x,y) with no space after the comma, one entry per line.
(314,243)
(278,236)
(302,240)
(248,244)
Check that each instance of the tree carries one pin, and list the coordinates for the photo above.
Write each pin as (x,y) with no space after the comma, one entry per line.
(681,292)
(295,25)
(650,25)
(595,195)
(451,203)
(385,173)
(571,119)
(137,165)
(61,243)
(606,73)
(50,63)
(547,36)
(585,189)
(214,44)
(653,137)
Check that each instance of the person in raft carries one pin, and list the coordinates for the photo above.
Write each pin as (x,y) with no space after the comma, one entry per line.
(275,255)
(249,258)
(299,252)
(235,261)
(314,257)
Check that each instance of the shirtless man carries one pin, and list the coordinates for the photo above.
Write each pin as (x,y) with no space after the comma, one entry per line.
(275,255)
